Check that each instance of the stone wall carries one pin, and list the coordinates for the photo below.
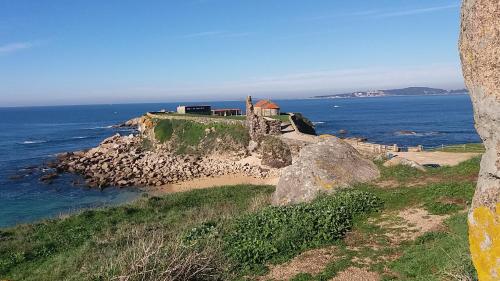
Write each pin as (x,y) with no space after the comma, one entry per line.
(480,55)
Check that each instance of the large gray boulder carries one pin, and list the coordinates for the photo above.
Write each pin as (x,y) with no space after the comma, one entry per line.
(323,167)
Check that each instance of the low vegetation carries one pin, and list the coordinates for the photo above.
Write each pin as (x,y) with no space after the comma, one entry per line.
(231,233)
(196,138)
(469,147)
(279,233)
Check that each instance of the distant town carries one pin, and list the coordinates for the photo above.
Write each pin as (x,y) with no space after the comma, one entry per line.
(410,91)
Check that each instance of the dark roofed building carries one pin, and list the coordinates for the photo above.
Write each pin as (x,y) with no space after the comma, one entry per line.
(194,109)
(226,112)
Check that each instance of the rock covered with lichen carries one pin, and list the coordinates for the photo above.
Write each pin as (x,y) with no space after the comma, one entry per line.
(323,167)
(480,55)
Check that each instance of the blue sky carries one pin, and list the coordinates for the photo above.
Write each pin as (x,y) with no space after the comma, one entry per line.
(121,51)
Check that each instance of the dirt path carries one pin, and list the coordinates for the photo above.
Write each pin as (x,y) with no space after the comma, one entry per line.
(208,182)
(397,227)
(437,157)
(301,137)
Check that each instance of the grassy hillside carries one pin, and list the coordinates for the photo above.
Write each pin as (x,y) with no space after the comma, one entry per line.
(221,232)
(186,136)
(231,233)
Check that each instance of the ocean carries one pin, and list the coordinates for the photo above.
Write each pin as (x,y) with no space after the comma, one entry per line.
(31,136)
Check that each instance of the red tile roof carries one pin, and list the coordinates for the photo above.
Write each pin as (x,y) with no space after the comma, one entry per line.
(266,104)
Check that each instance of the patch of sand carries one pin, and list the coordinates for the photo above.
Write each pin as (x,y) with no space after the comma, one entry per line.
(437,157)
(388,184)
(410,224)
(312,262)
(356,274)
(207,182)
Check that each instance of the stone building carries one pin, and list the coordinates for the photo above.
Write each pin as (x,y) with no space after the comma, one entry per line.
(266,108)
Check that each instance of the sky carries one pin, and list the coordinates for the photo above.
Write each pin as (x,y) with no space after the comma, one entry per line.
(122,51)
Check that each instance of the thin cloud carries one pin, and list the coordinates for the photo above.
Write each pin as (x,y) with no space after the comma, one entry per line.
(386,14)
(217,33)
(416,11)
(14,47)
(316,82)
(203,34)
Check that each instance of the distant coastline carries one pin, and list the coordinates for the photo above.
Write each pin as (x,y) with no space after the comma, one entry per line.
(403,92)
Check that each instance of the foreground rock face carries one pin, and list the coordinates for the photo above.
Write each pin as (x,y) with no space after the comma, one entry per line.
(480,54)
(275,153)
(322,167)
(122,161)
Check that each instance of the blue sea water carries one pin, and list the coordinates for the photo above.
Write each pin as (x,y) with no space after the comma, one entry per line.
(31,136)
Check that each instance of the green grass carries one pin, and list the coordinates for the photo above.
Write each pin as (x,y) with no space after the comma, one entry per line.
(57,249)
(282,117)
(405,174)
(96,244)
(277,234)
(234,117)
(469,147)
(196,138)
(437,255)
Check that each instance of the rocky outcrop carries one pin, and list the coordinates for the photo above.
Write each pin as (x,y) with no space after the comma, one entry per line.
(395,161)
(134,122)
(480,55)
(259,126)
(123,161)
(323,167)
(275,152)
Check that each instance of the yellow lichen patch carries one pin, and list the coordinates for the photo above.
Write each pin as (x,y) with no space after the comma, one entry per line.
(484,239)
(325,184)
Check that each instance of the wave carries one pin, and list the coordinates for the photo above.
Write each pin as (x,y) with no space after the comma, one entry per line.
(336,106)
(101,127)
(33,142)
(318,122)
(416,134)
(80,137)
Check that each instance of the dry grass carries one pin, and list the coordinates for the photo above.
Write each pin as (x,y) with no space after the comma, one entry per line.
(158,256)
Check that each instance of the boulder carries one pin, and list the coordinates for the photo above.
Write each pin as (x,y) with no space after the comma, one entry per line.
(480,55)
(323,167)
(275,153)
(395,161)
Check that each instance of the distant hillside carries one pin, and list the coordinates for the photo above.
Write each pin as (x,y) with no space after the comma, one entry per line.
(410,91)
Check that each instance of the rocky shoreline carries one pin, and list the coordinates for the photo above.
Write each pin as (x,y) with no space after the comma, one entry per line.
(123,161)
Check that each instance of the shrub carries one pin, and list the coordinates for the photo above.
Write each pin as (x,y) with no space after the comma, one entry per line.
(278,233)
(163,130)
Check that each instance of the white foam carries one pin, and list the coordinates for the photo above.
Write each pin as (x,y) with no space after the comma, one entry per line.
(33,141)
